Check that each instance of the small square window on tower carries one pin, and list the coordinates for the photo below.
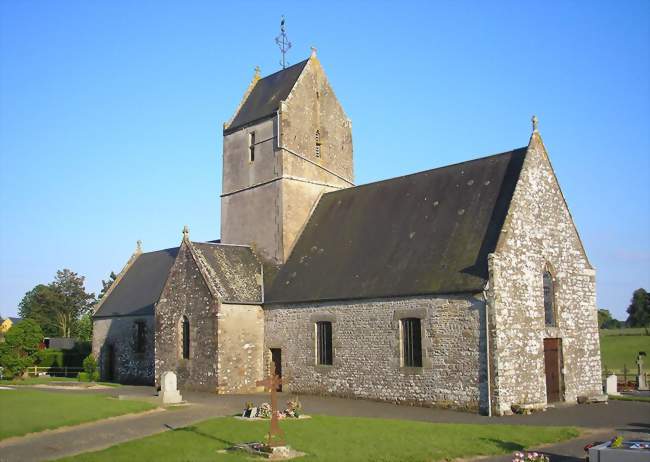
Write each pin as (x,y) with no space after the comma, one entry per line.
(251,147)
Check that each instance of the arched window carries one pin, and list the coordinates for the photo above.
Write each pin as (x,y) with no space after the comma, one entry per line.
(549,299)
(186,338)
(317,143)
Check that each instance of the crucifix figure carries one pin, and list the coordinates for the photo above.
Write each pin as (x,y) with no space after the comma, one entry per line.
(276,435)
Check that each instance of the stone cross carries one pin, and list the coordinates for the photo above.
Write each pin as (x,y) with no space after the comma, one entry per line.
(535,122)
(276,435)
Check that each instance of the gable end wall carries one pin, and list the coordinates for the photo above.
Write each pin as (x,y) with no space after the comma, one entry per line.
(540,232)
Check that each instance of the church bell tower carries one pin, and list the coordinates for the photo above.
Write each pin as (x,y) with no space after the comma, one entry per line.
(288,142)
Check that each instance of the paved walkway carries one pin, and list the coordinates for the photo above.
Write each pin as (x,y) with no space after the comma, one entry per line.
(622,417)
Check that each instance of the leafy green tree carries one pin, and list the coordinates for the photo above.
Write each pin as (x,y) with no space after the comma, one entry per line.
(90,368)
(106,285)
(20,348)
(639,310)
(76,301)
(606,321)
(84,328)
(42,304)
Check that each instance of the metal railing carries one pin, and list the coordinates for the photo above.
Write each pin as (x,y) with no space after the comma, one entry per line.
(64,371)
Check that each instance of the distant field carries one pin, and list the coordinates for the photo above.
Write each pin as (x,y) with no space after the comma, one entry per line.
(618,349)
(628,331)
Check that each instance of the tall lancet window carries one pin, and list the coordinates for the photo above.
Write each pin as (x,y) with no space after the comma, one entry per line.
(317,143)
(549,299)
(251,147)
(186,338)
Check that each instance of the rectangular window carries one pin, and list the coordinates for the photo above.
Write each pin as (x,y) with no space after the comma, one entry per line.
(411,342)
(324,342)
(251,147)
(139,336)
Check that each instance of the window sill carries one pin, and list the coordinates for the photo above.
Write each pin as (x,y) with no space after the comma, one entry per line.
(411,370)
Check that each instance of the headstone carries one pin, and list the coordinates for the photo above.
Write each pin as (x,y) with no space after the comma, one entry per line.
(611,387)
(640,380)
(168,388)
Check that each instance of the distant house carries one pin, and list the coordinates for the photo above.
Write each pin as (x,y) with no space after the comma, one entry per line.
(5,324)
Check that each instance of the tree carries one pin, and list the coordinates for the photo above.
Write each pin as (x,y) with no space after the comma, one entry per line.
(606,321)
(42,304)
(59,306)
(106,285)
(18,351)
(76,302)
(84,328)
(639,310)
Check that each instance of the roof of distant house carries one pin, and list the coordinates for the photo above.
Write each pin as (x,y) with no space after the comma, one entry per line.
(426,233)
(264,99)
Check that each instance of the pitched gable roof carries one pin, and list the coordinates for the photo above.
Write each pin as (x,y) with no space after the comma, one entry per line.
(425,233)
(264,99)
(234,270)
(140,287)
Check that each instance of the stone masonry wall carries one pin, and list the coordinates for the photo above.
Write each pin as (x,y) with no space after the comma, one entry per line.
(120,334)
(539,233)
(186,294)
(241,348)
(367,348)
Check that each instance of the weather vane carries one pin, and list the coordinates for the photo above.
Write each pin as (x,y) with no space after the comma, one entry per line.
(283,42)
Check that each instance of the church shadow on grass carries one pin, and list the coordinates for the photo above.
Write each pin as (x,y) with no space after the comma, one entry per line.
(505,445)
(196,431)
(636,427)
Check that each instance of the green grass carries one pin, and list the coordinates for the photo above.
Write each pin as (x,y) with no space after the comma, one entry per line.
(625,331)
(619,350)
(47,380)
(25,411)
(335,439)
(643,399)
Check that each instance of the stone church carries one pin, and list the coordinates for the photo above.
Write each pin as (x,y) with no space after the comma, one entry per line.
(465,286)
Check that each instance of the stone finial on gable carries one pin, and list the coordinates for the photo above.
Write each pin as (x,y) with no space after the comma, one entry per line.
(257,74)
(186,233)
(138,247)
(313,52)
(535,122)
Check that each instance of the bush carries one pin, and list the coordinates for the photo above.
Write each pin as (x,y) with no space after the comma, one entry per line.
(50,358)
(90,366)
(20,348)
(84,377)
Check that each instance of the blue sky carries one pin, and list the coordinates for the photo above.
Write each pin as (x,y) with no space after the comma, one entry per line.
(111,114)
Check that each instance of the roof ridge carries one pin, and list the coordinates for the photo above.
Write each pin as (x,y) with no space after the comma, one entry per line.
(286,69)
(525,148)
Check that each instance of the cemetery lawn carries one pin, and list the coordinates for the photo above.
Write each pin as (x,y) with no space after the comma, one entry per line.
(326,438)
(26,411)
(47,380)
(619,350)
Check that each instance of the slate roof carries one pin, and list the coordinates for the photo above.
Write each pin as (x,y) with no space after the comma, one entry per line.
(140,288)
(426,233)
(235,271)
(266,95)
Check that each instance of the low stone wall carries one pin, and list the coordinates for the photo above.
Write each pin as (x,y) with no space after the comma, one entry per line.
(367,349)
(116,338)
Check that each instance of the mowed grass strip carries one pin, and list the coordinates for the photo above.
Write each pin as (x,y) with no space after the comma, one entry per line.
(336,439)
(26,411)
(619,350)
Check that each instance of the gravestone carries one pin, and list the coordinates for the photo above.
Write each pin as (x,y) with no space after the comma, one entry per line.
(640,380)
(611,387)
(168,388)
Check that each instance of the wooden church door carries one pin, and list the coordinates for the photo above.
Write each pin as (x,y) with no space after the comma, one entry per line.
(553,365)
